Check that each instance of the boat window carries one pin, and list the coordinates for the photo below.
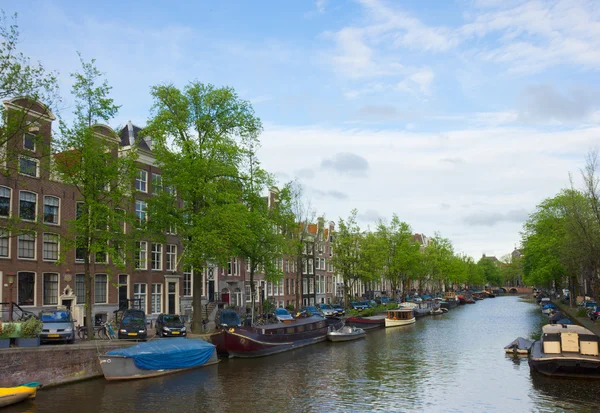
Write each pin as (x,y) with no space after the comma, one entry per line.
(290,330)
(309,326)
(280,331)
(300,329)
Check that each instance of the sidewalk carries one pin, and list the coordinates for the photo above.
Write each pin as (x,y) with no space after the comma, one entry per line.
(582,321)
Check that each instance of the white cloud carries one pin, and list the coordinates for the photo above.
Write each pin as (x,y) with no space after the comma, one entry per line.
(320,4)
(418,83)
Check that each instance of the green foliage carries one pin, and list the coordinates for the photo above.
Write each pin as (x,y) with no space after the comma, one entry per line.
(31,328)
(491,271)
(347,254)
(7,330)
(581,312)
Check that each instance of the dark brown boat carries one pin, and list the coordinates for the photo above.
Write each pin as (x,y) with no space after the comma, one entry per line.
(367,323)
(275,338)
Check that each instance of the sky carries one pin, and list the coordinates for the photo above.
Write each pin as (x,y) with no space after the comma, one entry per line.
(459,116)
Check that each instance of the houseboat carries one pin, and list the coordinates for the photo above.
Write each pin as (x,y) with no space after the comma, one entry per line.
(450,300)
(399,317)
(367,323)
(566,350)
(276,338)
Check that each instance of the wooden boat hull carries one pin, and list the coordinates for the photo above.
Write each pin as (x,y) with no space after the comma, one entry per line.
(12,395)
(124,368)
(398,323)
(250,342)
(366,323)
(563,365)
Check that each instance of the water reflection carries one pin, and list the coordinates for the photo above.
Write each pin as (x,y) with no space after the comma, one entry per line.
(451,363)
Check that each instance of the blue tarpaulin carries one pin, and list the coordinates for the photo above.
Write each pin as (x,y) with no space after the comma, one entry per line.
(546,306)
(168,354)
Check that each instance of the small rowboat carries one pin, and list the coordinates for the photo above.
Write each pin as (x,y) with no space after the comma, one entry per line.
(346,333)
(12,395)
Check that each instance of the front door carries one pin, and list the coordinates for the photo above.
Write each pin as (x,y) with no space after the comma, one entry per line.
(211,291)
(172,298)
(68,303)
(123,292)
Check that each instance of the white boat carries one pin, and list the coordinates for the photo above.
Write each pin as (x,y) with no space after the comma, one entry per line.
(519,346)
(399,317)
(346,333)
(438,311)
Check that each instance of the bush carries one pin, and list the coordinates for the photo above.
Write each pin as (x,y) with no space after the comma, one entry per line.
(7,330)
(581,312)
(31,328)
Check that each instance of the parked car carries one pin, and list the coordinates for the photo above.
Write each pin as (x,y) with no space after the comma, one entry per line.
(338,309)
(327,310)
(58,325)
(170,325)
(133,325)
(358,305)
(383,300)
(282,315)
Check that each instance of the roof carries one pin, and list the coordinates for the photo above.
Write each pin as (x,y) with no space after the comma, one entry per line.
(130,134)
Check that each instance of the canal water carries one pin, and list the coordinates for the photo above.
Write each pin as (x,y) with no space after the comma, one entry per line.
(449,363)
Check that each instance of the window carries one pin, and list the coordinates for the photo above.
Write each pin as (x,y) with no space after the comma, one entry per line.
(4,201)
(79,209)
(50,247)
(119,225)
(140,262)
(287,286)
(50,289)
(156,257)
(187,283)
(331,251)
(330,266)
(157,185)
(248,293)
(27,205)
(235,266)
(26,246)
(140,211)
(304,266)
(28,166)
(101,257)
(156,299)
(80,249)
(26,288)
(311,285)
(80,288)
(119,255)
(320,248)
(139,296)
(51,205)
(4,244)
(171,263)
(304,286)
(29,141)
(100,285)
(141,180)
(229,268)
(317,264)
(310,266)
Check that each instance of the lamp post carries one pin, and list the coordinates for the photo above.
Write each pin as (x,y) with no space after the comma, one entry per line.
(11,280)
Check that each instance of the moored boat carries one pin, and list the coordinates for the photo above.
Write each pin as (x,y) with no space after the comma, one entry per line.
(399,317)
(276,338)
(520,346)
(367,323)
(157,358)
(566,350)
(346,333)
(12,395)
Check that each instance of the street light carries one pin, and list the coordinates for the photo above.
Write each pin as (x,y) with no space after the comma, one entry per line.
(11,280)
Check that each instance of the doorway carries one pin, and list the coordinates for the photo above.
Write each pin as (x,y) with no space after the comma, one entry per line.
(123,296)
(172,297)
(211,291)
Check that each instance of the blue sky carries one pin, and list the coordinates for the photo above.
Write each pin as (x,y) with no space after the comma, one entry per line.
(460,116)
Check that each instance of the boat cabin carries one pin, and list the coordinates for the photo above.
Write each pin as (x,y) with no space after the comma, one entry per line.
(449,295)
(568,338)
(300,326)
(400,314)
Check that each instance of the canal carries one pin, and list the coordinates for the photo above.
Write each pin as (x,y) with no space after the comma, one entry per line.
(449,363)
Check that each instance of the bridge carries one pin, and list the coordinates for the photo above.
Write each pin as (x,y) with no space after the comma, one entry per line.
(516,290)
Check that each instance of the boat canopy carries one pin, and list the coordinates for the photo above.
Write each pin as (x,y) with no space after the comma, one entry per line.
(175,353)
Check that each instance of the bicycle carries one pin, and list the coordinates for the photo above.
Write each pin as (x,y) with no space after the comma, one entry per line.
(106,332)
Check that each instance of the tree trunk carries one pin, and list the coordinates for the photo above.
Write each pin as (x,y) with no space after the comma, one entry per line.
(252,290)
(197,303)
(89,323)
(298,277)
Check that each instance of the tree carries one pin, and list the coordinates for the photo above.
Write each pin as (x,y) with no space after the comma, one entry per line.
(512,269)
(89,160)
(439,255)
(346,247)
(21,78)
(491,271)
(265,224)
(201,137)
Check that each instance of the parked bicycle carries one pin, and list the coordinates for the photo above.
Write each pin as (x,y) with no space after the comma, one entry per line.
(104,331)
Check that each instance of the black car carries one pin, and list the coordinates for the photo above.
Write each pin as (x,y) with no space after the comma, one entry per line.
(170,325)
(133,325)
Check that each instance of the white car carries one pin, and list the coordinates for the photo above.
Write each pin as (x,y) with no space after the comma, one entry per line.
(327,310)
(282,315)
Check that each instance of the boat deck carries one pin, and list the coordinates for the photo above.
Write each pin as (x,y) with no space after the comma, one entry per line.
(538,354)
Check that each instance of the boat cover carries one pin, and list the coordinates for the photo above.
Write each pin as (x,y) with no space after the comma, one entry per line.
(546,306)
(564,321)
(520,343)
(168,354)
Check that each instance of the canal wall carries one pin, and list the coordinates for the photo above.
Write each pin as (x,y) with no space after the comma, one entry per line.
(54,365)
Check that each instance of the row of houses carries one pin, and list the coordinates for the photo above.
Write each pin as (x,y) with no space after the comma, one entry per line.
(32,275)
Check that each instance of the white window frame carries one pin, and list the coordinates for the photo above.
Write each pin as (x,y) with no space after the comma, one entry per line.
(160,298)
(34,289)
(8,239)
(57,213)
(159,255)
(143,208)
(139,251)
(141,179)
(106,288)
(34,144)
(44,274)
(171,258)
(36,206)
(44,247)
(191,274)
(154,178)
(34,247)
(10,201)
(37,166)
(145,294)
